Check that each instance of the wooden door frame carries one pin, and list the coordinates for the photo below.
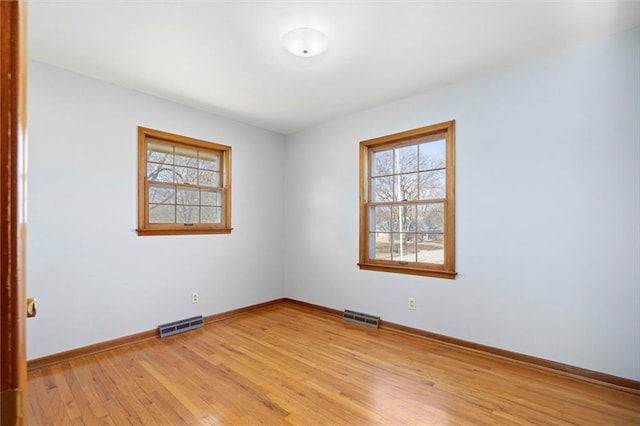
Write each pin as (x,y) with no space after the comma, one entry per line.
(13,370)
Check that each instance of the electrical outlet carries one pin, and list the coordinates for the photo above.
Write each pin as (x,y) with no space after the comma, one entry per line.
(194,297)
(412,303)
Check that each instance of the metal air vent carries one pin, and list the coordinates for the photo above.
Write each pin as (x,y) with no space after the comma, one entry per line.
(360,318)
(181,326)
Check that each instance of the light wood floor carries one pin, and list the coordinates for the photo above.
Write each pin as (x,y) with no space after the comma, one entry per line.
(291,365)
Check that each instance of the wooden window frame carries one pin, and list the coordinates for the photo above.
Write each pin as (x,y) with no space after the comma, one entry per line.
(409,137)
(144,227)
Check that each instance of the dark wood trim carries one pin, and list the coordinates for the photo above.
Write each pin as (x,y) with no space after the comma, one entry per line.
(10,402)
(240,311)
(380,267)
(577,372)
(13,127)
(57,358)
(308,305)
(192,231)
(597,377)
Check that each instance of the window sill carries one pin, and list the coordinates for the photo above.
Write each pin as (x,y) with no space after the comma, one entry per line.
(408,270)
(192,231)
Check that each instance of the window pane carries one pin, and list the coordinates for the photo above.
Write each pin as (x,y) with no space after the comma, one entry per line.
(186,175)
(162,194)
(431,217)
(210,198)
(380,244)
(161,213)
(187,214)
(407,187)
(382,189)
(159,153)
(381,219)
(403,218)
(431,249)
(209,161)
(190,196)
(433,155)
(210,214)
(433,185)
(382,163)
(159,172)
(186,157)
(404,247)
(208,178)
(407,159)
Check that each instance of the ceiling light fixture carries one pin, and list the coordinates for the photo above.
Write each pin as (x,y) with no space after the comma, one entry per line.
(305,42)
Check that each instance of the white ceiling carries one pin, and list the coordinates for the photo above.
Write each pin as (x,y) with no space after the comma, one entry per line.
(226,57)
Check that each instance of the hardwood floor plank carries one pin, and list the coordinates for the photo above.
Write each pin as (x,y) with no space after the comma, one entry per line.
(289,364)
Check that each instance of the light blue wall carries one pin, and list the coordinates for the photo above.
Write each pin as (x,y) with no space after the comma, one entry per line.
(94,278)
(548,210)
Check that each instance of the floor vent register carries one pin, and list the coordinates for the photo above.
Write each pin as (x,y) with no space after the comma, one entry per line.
(181,326)
(360,318)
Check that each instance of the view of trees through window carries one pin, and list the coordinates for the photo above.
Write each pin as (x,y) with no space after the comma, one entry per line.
(408,187)
(407,202)
(184,184)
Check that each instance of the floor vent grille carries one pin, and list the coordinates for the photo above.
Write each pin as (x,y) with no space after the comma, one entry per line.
(181,326)
(360,318)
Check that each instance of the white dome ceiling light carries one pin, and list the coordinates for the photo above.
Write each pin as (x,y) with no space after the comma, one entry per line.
(305,42)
